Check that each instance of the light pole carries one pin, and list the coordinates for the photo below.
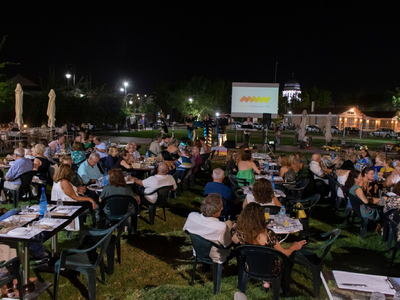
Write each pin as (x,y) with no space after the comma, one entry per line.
(125,85)
(70,68)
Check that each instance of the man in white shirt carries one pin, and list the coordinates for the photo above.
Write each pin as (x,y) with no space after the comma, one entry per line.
(59,142)
(155,145)
(155,182)
(100,148)
(210,228)
(165,142)
(247,133)
(317,167)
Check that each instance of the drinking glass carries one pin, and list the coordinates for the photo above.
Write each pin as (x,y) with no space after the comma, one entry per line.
(266,213)
(16,220)
(377,296)
(35,225)
(47,215)
(24,209)
(59,202)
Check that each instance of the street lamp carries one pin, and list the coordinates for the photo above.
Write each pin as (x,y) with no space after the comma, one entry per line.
(130,102)
(70,67)
(125,85)
(190,100)
(217,114)
(122,89)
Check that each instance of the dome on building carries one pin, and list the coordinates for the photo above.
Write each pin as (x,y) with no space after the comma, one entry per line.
(292,84)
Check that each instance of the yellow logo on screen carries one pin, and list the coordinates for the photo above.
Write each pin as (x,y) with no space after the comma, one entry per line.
(255,99)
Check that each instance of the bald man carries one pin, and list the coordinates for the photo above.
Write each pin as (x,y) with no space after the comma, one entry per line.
(149,185)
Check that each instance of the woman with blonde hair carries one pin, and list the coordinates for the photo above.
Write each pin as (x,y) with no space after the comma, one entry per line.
(133,153)
(286,171)
(40,164)
(112,157)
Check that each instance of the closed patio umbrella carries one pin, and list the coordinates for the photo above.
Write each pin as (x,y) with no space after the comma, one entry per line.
(51,109)
(303,125)
(19,93)
(328,133)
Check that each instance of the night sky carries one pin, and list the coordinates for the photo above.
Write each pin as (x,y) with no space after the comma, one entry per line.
(340,46)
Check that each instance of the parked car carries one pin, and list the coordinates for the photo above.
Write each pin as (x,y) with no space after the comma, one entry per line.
(258,125)
(383,132)
(313,128)
(334,129)
(352,130)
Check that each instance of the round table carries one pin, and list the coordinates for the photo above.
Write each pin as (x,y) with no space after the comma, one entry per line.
(294,226)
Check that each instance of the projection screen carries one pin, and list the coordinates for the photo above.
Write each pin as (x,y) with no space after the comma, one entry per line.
(254,99)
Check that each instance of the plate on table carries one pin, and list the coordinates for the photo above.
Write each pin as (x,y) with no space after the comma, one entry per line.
(18,231)
(62,211)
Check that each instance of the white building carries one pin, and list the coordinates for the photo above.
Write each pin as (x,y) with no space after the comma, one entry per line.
(291,90)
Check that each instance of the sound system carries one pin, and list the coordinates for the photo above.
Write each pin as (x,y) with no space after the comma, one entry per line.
(266,119)
(229,144)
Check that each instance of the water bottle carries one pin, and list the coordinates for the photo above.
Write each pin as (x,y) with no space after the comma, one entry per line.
(283,210)
(266,168)
(147,153)
(332,156)
(58,149)
(105,178)
(42,204)
(272,181)
(376,174)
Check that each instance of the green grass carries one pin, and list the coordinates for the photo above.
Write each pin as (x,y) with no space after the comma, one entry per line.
(157,262)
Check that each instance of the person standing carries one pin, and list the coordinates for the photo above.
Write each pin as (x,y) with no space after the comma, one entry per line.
(278,137)
(190,127)
(222,123)
(247,133)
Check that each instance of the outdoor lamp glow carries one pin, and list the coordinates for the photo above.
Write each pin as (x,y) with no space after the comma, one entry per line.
(68,75)
(122,89)
(125,84)
(217,114)
(190,100)
(130,102)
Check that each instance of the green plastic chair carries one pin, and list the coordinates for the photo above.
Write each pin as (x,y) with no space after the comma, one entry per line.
(163,195)
(15,274)
(78,260)
(202,248)
(307,257)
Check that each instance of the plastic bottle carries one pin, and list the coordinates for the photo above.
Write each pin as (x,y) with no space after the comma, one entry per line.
(58,149)
(283,210)
(273,181)
(42,203)
(332,156)
(147,153)
(266,168)
(105,178)
(376,174)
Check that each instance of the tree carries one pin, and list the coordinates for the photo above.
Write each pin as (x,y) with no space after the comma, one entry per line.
(6,89)
(319,96)
(396,102)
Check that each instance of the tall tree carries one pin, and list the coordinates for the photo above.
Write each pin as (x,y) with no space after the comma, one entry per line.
(321,97)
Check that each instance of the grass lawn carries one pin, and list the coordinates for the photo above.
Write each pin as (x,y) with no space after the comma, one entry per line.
(286,139)
(157,262)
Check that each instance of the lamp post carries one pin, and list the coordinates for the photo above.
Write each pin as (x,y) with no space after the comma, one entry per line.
(70,68)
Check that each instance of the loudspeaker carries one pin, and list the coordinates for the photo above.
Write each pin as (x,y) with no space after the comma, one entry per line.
(266,119)
(229,144)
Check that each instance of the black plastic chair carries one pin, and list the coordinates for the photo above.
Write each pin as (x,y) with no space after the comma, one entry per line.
(78,260)
(308,258)
(273,210)
(14,274)
(202,248)
(393,235)
(355,204)
(335,186)
(235,188)
(177,176)
(163,195)
(258,262)
(24,189)
(295,193)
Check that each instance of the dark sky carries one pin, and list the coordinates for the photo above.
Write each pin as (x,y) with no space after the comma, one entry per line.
(341,46)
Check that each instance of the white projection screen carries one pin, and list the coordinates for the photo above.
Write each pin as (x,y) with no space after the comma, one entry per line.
(254,99)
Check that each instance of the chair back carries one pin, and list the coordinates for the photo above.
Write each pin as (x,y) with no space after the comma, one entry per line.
(103,243)
(242,181)
(259,261)
(163,194)
(202,248)
(273,209)
(333,185)
(332,236)
(229,169)
(211,156)
(117,206)
(26,179)
(355,204)
(234,184)
(298,191)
